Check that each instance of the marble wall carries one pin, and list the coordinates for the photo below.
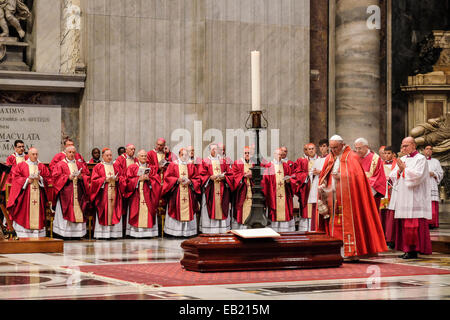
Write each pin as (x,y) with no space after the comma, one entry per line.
(154,66)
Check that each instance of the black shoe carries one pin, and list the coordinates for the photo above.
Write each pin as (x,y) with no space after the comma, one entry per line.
(403,255)
(391,245)
(410,255)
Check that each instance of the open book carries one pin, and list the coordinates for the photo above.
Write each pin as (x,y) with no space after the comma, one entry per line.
(256,233)
(143,171)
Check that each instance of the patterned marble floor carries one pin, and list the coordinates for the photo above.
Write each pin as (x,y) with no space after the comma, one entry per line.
(46,276)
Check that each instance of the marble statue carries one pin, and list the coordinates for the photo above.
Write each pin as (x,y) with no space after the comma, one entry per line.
(11,11)
(437,133)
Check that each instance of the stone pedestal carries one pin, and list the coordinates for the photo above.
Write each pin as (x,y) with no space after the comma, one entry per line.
(12,54)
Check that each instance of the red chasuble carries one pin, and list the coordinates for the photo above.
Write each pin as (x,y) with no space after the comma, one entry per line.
(373,167)
(355,219)
(27,207)
(243,190)
(300,188)
(278,193)
(143,200)
(107,200)
(13,161)
(61,156)
(217,194)
(181,200)
(153,158)
(122,163)
(72,194)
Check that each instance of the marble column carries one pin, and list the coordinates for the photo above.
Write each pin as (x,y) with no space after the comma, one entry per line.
(357,56)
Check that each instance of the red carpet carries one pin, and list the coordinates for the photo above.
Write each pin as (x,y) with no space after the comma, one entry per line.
(172,274)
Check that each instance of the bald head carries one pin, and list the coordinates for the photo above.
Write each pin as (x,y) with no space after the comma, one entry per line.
(160,144)
(130,149)
(408,145)
(142,156)
(33,154)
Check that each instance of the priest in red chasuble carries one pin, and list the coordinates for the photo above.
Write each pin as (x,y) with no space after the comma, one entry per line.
(217,183)
(373,167)
(107,198)
(27,200)
(354,217)
(301,189)
(62,155)
(122,163)
(180,190)
(242,176)
(143,189)
(159,158)
(278,185)
(69,183)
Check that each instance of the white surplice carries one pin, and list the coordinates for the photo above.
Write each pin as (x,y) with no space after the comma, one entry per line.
(411,197)
(435,166)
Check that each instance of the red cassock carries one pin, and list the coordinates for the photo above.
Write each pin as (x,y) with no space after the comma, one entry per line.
(99,196)
(151,192)
(356,220)
(375,171)
(63,188)
(240,189)
(269,188)
(19,200)
(226,187)
(171,190)
(302,186)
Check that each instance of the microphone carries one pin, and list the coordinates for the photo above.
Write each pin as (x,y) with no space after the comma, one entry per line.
(4,141)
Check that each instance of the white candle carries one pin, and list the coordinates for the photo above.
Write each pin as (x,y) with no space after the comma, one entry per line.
(256,82)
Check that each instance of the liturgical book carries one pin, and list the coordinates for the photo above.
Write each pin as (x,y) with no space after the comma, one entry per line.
(256,233)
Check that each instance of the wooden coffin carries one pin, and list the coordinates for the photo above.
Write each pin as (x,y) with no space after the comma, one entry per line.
(228,252)
(31,245)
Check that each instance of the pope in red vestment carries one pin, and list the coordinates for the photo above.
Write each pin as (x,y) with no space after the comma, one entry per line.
(105,191)
(26,206)
(374,169)
(143,186)
(243,183)
(354,217)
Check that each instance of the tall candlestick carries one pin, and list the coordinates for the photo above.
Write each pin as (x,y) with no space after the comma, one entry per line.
(256,82)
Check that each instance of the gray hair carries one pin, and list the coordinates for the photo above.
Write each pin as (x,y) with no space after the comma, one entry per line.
(362,141)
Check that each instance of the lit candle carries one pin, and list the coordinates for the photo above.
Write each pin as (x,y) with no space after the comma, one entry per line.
(256,82)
